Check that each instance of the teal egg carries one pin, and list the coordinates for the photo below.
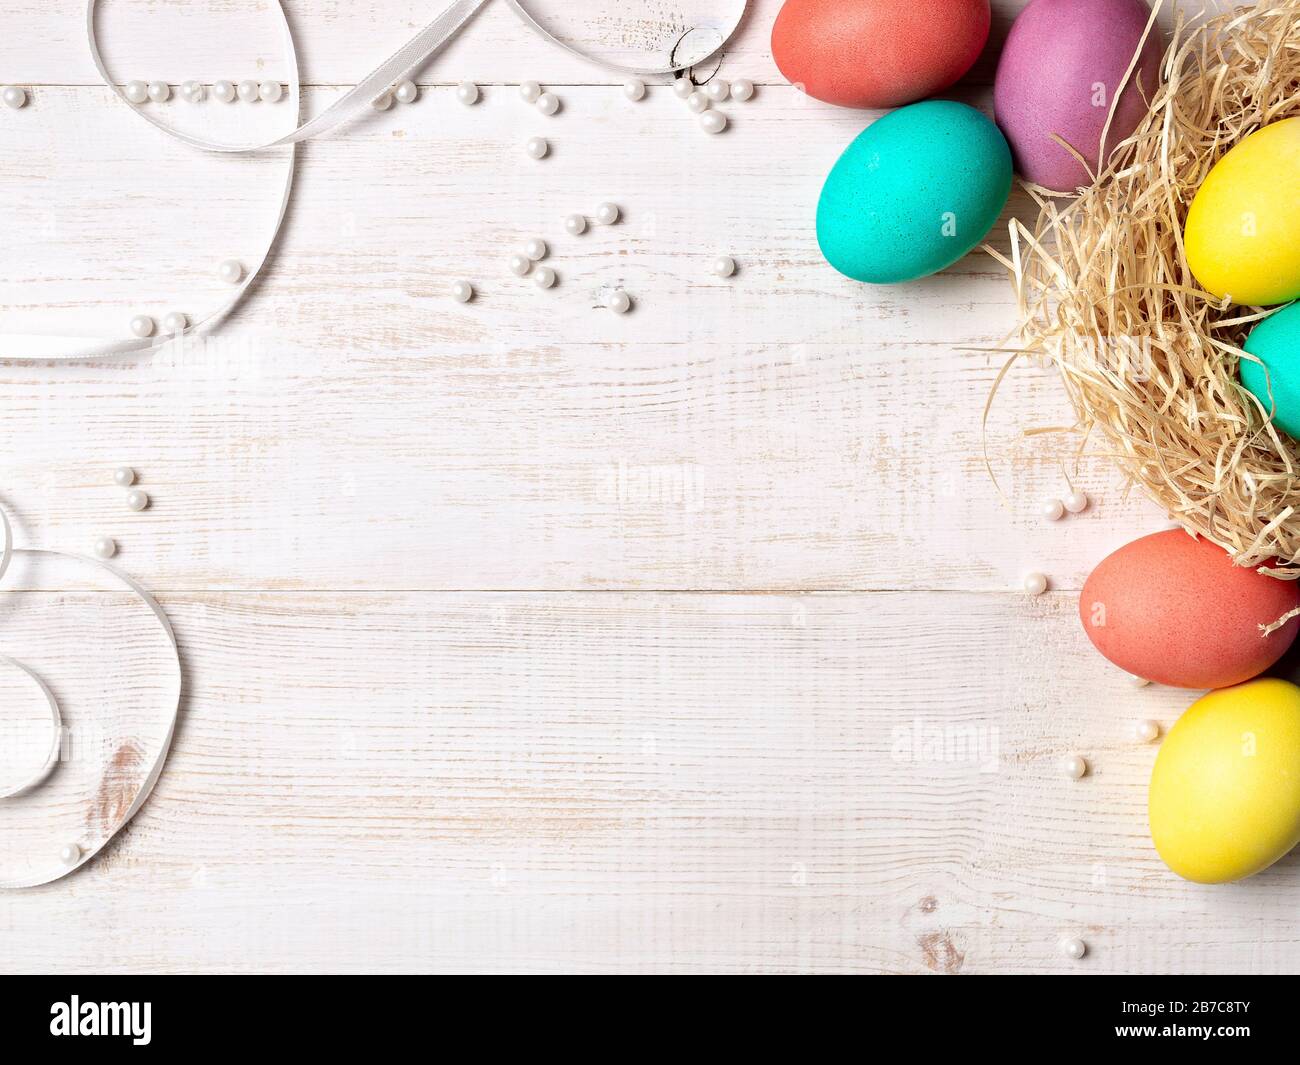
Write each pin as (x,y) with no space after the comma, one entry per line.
(1276,343)
(913,193)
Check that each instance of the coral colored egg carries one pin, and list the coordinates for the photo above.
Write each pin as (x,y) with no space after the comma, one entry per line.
(1174,609)
(1224,801)
(1062,64)
(878,53)
(1243,228)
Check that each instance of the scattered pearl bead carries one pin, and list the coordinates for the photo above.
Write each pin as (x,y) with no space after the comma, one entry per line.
(548,103)
(520,264)
(467,93)
(683,87)
(713,121)
(14,97)
(717,90)
(724,266)
(406,92)
(193,92)
(142,325)
(1035,583)
(1076,502)
(1146,731)
(1053,509)
(105,547)
(1074,948)
(124,477)
(248,90)
(537,147)
(136,499)
(382,103)
(544,277)
(575,225)
(1138,682)
(223,91)
(175,322)
(159,91)
(70,855)
(270,91)
(462,291)
(618,301)
(231,271)
(697,102)
(136,91)
(742,89)
(536,249)
(530,91)
(607,214)
(1074,767)
(634,89)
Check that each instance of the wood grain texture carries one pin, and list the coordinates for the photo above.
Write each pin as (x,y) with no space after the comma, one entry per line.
(522,637)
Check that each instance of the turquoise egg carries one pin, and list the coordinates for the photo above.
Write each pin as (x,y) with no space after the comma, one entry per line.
(913,193)
(1276,343)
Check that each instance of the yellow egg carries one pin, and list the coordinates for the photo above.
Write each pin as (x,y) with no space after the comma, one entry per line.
(1243,230)
(1225,791)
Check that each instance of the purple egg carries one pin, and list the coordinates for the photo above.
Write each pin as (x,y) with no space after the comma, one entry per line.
(1061,66)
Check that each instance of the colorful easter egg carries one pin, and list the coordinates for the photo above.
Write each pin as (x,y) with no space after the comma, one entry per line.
(1243,228)
(913,193)
(1174,609)
(878,53)
(1062,65)
(1224,801)
(1276,383)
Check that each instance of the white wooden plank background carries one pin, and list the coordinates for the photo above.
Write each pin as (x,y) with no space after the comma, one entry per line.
(520,636)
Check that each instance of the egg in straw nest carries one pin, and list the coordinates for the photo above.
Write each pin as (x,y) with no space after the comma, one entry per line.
(1153,360)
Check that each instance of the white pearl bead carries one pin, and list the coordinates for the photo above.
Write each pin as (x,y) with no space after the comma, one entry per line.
(270,91)
(70,855)
(724,266)
(520,264)
(467,93)
(607,214)
(142,325)
(462,291)
(1076,502)
(683,87)
(544,277)
(618,301)
(575,225)
(717,90)
(175,322)
(1035,583)
(713,121)
(137,499)
(248,90)
(1138,682)
(124,477)
(14,97)
(1074,767)
(634,88)
(548,103)
(193,92)
(742,89)
(105,547)
(382,103)
(530,91)
(1074,948)
(697,102)
(406,92)
(1053,509)
(1146,731)
(223,91)
(537,147)
(231,271)
(536,249)
(136,91)
(159,91)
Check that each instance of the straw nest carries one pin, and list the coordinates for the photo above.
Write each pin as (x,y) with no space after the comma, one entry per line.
(1149,359)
